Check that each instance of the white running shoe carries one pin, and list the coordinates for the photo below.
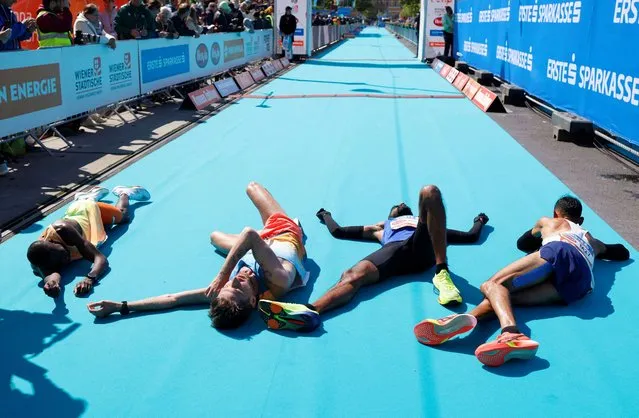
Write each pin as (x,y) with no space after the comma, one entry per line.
(96,194)
(138,193)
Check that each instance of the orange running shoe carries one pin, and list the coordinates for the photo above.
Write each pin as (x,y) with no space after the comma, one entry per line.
(508,346)
(438,331)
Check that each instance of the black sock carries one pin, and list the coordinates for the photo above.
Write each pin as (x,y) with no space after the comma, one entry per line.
(512,329)
(311,307)
(440,267)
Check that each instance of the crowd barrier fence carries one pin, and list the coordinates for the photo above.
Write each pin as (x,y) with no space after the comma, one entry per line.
(410,34)
(43,87)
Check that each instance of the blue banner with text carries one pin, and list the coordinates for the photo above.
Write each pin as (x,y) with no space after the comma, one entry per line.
(579,56)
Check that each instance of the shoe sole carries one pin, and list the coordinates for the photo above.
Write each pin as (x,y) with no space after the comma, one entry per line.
(99,196)
(432,333)
(276,318)
(496,354)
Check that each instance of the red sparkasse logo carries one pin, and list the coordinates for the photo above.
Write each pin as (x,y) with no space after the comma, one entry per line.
(97,66)
(438,21)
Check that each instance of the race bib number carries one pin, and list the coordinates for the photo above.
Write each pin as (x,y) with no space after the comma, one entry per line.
(582,245)
(403,222)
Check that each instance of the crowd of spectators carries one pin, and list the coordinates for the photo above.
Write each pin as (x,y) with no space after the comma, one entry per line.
(330,20)
(138,19)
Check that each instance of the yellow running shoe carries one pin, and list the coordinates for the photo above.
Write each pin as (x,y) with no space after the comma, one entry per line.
(444,287)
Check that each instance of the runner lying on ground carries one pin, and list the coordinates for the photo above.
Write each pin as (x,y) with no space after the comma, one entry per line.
(561,272)
(78,234)
(267,262)
(410,245)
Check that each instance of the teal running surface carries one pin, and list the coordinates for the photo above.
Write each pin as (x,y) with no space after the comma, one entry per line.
(355,157)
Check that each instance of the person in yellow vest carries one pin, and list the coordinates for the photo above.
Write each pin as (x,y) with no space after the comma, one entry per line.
(78,235)
(55,24)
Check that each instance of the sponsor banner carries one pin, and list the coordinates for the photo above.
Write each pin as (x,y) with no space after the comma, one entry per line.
(445,70)
(435,11)
(452,74)
(205,56)
(30,94)
(484,98)
(471,88)
(244,80)
(164,62)
(438,65)
(233,50)
(560,51)
(278,65)
(204,97)
(257,74)
(460,81)
(215,53)
(302,38)
(40,87)
(269,69)
(226,87)
(94,76)
(285,62)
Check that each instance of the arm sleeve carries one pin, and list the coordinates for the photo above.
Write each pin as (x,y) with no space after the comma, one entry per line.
(529,243)
(344,232)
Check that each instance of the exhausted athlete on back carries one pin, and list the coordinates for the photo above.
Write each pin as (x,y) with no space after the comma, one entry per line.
(561,272)
(268,262)
(410,245)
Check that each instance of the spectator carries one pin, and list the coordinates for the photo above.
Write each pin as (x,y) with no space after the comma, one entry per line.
(221,20)
(154,7)
(288,24)
(88,23)
(134,21)
(55,24)
(107,17)
(448,31)
(268,15)
(164,24)
(13,32)
(236,18)
(209,16)
(258,22)
(184,21)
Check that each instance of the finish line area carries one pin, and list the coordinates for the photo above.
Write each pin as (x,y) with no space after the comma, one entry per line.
(356,157)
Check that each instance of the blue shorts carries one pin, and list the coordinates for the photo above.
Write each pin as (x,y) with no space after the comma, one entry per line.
(572,277)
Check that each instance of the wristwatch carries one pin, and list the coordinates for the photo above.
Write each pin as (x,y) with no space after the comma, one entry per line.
(124,310)
(94,278)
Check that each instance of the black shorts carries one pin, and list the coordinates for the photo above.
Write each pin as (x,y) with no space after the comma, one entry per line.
(411,256)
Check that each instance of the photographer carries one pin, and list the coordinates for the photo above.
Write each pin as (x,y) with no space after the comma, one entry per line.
(89,30)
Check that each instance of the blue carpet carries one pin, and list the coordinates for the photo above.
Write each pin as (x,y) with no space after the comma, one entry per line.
(355,157)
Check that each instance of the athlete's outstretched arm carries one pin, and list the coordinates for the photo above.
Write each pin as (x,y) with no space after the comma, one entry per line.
(460,237)
(371,233)
(612,252)
(105,308)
